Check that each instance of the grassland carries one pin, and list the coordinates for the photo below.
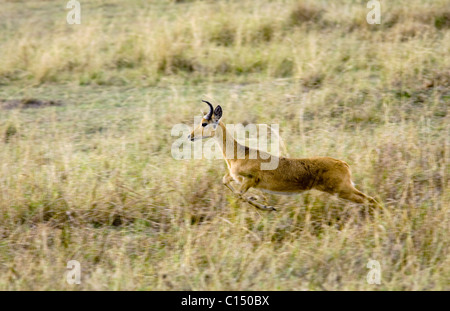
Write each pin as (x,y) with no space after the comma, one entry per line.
(92,178)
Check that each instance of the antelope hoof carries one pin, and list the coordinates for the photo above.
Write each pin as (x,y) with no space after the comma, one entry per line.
(269,208)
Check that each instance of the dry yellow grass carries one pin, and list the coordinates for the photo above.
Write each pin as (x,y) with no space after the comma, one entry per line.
(93,179)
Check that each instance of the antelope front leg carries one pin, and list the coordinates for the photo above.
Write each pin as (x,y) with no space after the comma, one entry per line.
(243,189)
(247,184)
(261,196)
(227,182)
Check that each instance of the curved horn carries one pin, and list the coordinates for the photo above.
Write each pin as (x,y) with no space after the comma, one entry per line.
(209,115)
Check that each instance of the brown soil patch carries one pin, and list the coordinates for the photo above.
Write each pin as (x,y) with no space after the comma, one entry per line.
(27,103)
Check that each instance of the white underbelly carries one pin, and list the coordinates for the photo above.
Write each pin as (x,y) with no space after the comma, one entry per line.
(238,179)
(278,192)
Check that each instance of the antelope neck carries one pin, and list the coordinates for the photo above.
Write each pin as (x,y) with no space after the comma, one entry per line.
(227,143)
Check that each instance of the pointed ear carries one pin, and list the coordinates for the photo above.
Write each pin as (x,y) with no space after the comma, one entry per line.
(218,113)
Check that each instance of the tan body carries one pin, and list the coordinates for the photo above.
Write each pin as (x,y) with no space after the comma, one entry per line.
(291,176)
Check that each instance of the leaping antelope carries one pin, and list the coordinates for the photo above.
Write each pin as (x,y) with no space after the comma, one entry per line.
(291,176)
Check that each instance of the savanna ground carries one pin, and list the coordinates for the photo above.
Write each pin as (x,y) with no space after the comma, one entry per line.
(86,171)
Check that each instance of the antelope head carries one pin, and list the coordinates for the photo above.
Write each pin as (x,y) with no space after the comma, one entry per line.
(208,124)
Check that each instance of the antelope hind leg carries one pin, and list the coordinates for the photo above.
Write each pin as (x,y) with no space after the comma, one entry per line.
(357,196)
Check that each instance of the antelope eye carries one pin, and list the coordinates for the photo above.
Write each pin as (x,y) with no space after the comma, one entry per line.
(204,124)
